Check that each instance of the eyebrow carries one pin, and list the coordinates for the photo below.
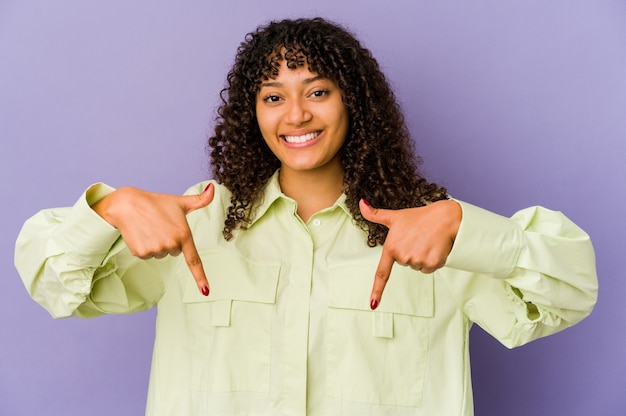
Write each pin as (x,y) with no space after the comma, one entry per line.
(304,81)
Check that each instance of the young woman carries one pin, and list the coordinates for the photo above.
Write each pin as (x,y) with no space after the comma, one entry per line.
(271,309)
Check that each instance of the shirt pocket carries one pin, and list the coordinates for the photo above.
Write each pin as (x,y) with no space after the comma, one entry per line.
(230,330)
(378,357)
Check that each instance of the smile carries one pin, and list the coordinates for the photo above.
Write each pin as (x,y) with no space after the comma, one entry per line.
(303,138)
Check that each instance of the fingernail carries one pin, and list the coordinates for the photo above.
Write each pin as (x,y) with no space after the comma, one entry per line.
(373,304)
(365,202)
(207,187)
(205,291)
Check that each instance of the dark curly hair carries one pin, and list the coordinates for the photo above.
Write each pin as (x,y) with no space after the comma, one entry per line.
(378,157)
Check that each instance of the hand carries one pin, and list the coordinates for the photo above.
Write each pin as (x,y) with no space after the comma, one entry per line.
(419,237)
(155,225)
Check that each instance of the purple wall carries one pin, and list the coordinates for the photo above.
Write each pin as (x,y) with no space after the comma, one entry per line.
(512,104)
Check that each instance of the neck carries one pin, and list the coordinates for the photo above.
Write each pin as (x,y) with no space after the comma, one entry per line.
(313,190)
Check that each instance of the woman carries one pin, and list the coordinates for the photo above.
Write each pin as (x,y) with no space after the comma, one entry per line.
(317,194)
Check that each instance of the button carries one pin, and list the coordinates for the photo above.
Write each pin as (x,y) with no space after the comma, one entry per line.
(317,222)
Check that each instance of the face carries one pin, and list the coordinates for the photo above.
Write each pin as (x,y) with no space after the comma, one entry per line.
(302,119)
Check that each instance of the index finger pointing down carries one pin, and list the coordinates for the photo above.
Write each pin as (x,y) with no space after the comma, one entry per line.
(380,278)
(192,258)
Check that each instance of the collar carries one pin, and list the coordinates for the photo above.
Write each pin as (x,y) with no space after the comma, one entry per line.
(272,193)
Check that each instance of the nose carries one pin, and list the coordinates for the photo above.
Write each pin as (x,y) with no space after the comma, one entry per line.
(297,112)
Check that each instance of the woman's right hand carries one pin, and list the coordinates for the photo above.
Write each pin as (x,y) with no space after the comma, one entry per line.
(155,225)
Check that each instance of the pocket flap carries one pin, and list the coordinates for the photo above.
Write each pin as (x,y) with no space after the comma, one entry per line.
(233,277)
(407,292)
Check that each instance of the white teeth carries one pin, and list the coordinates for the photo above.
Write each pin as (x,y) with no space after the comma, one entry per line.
(301,139)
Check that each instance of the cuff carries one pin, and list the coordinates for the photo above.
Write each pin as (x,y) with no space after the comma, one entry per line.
(486,243)
(83,233)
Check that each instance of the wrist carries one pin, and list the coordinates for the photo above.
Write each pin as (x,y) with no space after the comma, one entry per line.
(103,204)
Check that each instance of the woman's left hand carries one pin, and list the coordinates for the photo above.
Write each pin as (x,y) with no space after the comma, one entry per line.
(419,237)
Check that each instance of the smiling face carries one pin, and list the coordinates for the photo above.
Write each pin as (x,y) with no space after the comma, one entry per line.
(303,120)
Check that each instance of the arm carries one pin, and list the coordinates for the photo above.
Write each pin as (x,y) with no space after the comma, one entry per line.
(60,252)
(524,277)
(519,278)
(73,262)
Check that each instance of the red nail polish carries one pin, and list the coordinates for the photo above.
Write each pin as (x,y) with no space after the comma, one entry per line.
(374,304)
(207,187)
(365,202)
(205,291)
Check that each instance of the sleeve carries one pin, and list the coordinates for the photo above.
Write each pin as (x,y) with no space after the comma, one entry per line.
(524,277)
(73,263)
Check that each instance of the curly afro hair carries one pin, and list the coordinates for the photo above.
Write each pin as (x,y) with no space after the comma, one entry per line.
(378,157)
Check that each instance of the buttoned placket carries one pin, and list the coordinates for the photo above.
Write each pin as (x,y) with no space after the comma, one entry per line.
(296,336)
(296,343)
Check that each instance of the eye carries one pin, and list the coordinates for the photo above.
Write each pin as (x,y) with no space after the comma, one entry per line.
(319,93)
(271,98)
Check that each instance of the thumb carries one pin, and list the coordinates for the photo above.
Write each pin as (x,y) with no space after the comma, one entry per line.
(377,215)
(194,202)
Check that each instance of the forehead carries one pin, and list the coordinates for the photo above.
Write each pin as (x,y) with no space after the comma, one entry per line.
(286,74)
(290,63)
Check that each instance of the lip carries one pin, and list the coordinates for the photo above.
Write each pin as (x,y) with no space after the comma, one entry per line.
(307,143)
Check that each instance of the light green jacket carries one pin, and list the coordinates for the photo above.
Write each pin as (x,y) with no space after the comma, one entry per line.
(287,329)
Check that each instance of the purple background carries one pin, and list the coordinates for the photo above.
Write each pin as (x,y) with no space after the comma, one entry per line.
(512,103)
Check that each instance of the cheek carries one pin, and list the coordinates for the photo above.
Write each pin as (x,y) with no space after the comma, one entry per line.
(340,114)
(343,124)
(266,120)
(260,113)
